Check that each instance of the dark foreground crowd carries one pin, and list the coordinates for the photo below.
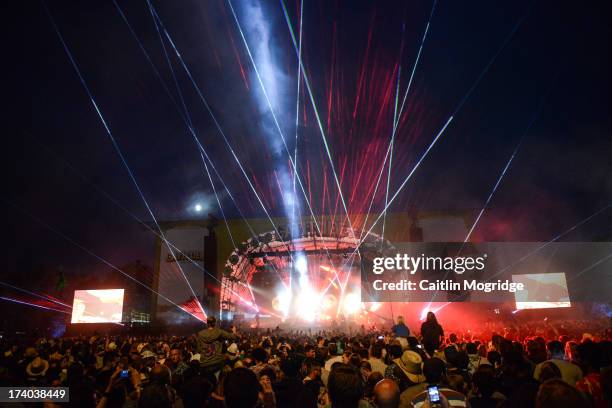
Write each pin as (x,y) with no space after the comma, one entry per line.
(218,368)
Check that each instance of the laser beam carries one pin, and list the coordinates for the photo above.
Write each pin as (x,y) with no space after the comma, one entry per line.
(115,144)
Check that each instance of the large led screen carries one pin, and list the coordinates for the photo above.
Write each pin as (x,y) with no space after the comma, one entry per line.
(542,291)
(97,306)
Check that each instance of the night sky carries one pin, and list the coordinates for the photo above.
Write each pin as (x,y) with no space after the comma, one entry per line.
(555,68)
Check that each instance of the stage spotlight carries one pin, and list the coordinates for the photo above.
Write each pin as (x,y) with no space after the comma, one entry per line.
(352,303)
(307,304)
(198,207)
(301,265)
(282,301)
(375,306)
(328,302)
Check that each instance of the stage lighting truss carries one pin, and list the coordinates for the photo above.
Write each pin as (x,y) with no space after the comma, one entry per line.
(257,253)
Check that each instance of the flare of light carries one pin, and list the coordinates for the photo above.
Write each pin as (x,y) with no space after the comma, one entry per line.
(307,304)
(282,301)
(328,302)
(351,303)
(301,265)
(375,306)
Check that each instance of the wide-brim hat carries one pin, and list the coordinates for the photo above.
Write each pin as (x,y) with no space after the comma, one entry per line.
(411,364)
(37,368)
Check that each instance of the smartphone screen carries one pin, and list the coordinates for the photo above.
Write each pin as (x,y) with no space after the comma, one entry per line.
(124,374)
(434,394)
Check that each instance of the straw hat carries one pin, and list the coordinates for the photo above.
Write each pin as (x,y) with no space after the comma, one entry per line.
(411,364)
(233,349)
(37,368)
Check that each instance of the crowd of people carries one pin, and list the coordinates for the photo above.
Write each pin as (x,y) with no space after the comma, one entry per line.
(273,368)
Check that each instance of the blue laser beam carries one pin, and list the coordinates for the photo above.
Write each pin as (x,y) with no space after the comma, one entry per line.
(49,299)
(455,112)
(33,305)
(280,132)
(114,143)
(318,118)
(416,62)
(90,252)
(216,123)
(554,239)
(397,116)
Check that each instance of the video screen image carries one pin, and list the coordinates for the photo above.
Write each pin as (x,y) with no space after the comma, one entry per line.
(542,291)
(97,306)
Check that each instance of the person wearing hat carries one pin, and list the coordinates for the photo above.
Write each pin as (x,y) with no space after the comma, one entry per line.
(37,369)
(149,359)
(407,370)
(233,353)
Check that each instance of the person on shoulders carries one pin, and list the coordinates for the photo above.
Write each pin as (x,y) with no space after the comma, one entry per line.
(400,329)
(210,346)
